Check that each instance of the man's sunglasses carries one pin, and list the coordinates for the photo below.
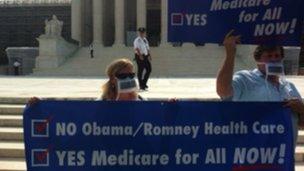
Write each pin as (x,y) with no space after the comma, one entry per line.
(125,75)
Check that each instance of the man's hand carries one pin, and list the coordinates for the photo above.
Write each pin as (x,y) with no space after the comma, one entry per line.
(230,43)
(224,78)
(150,58)
(141,57)
(296,105)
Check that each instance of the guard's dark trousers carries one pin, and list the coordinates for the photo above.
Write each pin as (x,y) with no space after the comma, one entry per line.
(141,66)
(16,70)
(92,53)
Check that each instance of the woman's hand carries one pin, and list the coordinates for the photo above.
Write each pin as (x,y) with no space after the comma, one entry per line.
(173,100)
(297,106)
(32,101)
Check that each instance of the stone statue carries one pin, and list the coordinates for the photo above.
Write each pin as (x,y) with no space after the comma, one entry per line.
(53,28)
(47,28)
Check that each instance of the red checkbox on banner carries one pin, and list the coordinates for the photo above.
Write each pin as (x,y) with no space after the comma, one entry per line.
(40,128)
(177,19)
(40,157)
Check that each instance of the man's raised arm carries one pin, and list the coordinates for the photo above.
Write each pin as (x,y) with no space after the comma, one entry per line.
(224,78)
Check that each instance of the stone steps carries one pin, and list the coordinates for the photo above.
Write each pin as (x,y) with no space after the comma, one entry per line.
(11,100)
(11,134)
(11,120)
(11,109)
(21,101)
(299,157)
(12,164)
(12,149)
(196,61)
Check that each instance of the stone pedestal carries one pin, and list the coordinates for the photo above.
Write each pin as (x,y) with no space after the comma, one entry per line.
(165,45)
(301,71)
(53,51)
(188,45)
(26,56)
(4,70)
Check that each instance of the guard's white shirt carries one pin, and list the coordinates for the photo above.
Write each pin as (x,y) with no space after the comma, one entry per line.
(142,44)
(16,64)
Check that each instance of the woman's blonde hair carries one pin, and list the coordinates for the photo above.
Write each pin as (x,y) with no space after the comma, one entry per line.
(109,89)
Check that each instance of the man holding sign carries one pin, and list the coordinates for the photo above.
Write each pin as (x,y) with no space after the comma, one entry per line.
(266,83)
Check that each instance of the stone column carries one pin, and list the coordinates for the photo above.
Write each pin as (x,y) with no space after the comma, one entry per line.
(76,20)
(164,23)
(98,21)
(301,60)
(119,23)
(141,13)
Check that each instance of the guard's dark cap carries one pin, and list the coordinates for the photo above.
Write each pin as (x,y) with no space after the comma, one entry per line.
(142,29)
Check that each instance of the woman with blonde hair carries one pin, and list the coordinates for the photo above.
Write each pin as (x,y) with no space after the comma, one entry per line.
(121,84)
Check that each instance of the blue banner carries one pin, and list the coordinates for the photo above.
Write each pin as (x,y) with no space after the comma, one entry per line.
(257,21)
(166,136)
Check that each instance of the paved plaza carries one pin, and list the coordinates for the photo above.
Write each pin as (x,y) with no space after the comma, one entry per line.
(159,88)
